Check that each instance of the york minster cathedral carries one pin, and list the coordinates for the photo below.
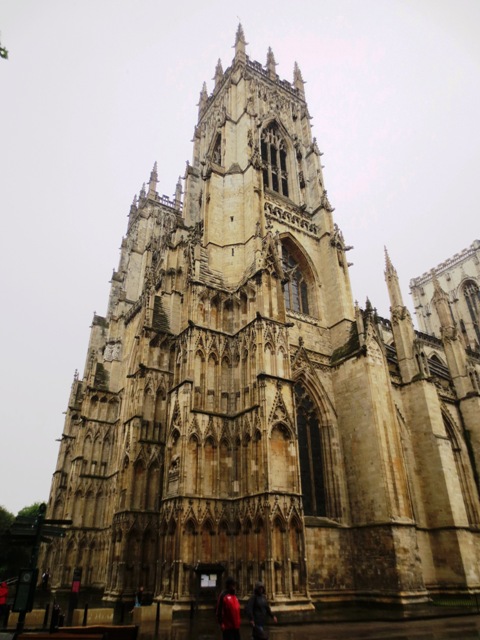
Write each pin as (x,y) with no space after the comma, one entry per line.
(240,415)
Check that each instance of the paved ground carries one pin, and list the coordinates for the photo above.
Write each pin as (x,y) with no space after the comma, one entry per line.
(455,628)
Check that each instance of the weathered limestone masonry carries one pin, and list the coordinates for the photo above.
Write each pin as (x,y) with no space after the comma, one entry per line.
(459,276)
(239,413)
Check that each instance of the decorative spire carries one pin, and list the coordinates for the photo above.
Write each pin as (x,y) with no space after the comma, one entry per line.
(389,268)
(442,305)
(142,193)
(218,73)
(152,183)
(298,81)
(391,278)
(203,99)
(360,324)
(271,64)
(240,55)
(178,192)
(133,206)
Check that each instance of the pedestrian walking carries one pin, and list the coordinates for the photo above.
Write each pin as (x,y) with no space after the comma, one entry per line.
(228,611)
(3,601)
(257,610)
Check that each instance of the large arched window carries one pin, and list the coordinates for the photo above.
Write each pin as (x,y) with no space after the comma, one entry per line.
(295,289)
(464,472)
(472,298)
(274,160)
(311,454)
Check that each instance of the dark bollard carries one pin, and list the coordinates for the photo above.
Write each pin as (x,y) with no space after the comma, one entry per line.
(192,609)
(45,617)
(61,619)
(55,620)
(6,615)
(85,616)
(157,618)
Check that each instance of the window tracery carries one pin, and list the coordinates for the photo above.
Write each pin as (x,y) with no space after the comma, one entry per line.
(472,298)
(295,289)
(310,446)
(274,160)
(217,150)
(463,471)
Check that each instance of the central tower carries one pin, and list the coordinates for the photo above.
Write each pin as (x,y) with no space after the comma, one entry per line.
(258,271)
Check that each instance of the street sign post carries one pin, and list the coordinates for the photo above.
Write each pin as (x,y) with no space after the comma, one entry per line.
(31,531)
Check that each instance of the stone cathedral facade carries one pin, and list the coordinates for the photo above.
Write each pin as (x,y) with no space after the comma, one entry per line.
(459,277)
(239,414)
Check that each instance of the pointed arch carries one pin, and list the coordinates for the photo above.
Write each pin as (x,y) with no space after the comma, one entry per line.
(216,149)
(87,451)
(153,489)
(209,465)
(256,464)
(199,377)
(223,541)
(278,552)
(237,460)
(212,368)
(273,148)
(269,351)
(99,513)
(463,468)
(139,482)
(296,553)
(189,541)
(281,467)
(319,457)
(77,508)
(113,407)
(225,383)
(435,358)
(282,362)
(103,412)
(301,282)
(225,462)
(191,467)
(206,541)
(471,293)
(147,550)
(96,455)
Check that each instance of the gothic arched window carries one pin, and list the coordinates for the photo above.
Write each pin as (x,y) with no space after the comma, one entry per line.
(274,160)
(310,446)
(472,298)
(463,471)
(295,289)
(217,150)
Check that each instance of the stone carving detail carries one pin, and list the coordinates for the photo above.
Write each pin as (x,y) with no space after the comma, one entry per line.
(399,313)
(112,351)
(274,102)
(449,334)
(338,242)
(296,219)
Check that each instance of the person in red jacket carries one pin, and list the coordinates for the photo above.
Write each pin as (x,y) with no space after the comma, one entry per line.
(228,611)
(3,600)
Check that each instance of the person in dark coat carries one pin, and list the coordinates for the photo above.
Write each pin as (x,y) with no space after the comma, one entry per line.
(257,610)
(228,611)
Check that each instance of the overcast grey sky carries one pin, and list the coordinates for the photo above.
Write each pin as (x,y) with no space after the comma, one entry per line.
(95,91)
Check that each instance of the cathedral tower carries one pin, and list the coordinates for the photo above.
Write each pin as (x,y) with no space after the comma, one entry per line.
(236,413)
